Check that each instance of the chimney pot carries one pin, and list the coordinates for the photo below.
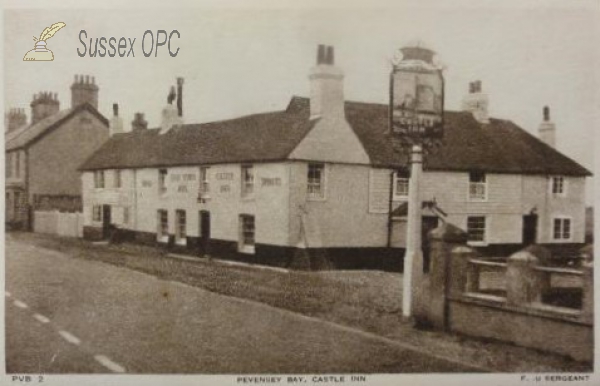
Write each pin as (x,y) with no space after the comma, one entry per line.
(321,54)
(330,58)
(180,96)
(546,114)
(116,109)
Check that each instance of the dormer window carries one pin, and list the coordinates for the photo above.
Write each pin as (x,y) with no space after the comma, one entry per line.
(558,186)
(477,186)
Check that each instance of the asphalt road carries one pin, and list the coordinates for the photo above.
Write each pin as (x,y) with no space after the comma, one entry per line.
(68,315)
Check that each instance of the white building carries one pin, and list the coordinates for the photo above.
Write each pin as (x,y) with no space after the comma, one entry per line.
(321,178)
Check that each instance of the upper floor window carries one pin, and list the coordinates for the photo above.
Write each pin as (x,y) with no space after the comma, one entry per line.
(9,165)
(118,182)
(558,186)
(162,181)
(18,164)
(561,229)
(476,228)
(204,184)
(401,180)
(316,181)
(477,186)
(247,180)
(99,179)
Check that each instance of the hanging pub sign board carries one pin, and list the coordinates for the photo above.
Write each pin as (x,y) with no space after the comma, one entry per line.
(417,97)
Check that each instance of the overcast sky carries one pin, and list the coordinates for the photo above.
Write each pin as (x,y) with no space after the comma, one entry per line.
(238,62)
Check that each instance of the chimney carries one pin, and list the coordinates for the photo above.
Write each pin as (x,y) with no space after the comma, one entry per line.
(476,102)
(44,104)
(116,122)
(547,129)
(84,90)
(170,114)
(139,123)
(14,119)
(326,86)
(180,97)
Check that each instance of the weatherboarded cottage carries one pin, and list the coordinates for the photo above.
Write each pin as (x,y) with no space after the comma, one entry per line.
(42,157)
(321,178)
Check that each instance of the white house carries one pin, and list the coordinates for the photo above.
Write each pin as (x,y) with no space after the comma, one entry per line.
(321,178)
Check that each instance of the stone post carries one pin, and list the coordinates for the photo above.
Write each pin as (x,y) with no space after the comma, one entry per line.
(442,240)
(522,282)
(587,304)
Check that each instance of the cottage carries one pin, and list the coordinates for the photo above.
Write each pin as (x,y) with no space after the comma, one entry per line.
(42,158)
(322,178)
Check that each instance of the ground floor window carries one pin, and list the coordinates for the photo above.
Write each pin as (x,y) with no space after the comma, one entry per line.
(562,229)
(180,231)
(476,228)
(247,233)
(163,225)
(97,213)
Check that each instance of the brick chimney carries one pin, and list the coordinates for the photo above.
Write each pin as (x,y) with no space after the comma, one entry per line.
(326,86)
(477,102)
(139,123)
(84,90)
(116,122)
(547,129)
(44,104)
(171,115)
(14,119)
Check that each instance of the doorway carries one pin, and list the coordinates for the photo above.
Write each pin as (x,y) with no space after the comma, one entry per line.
(106,221)
(530,229)
(204,244)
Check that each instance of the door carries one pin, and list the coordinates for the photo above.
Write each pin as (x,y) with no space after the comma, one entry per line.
(530,229)
(106,221)
(204,232)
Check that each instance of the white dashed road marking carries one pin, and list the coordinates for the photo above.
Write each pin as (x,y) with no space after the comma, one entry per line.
(69,337)
(112,366)
(7,294)
(41,318)
(20,304)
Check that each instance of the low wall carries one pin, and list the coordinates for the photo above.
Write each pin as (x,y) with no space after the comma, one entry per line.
(547,331)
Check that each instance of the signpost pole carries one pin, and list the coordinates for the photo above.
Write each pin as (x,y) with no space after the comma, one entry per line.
(413,257)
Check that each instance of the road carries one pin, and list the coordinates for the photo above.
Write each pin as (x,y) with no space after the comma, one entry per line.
(69,315)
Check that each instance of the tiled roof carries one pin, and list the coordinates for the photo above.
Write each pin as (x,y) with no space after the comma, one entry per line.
(499,146)
(29,133)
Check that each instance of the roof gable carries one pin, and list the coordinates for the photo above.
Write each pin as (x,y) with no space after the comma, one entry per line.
(28,134)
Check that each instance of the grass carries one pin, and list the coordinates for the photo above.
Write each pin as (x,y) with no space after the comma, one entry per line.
(367,300)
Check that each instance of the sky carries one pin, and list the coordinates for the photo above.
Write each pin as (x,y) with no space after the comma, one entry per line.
(239,61)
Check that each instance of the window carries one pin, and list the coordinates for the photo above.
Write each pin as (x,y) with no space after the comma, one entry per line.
(17,201)
(316,181)
(99,179)
(163,225)
(477,186)
(247,180)
(18,162)
(97,213)
(401,179)
(9,165)
(162,181)
(476,228)
(180,230)
(204,186)
(562,229)
(558,186)
(125,215)
(118,179)
(247,230)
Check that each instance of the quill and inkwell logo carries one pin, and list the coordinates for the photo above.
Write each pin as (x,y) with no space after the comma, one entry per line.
(40,52)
